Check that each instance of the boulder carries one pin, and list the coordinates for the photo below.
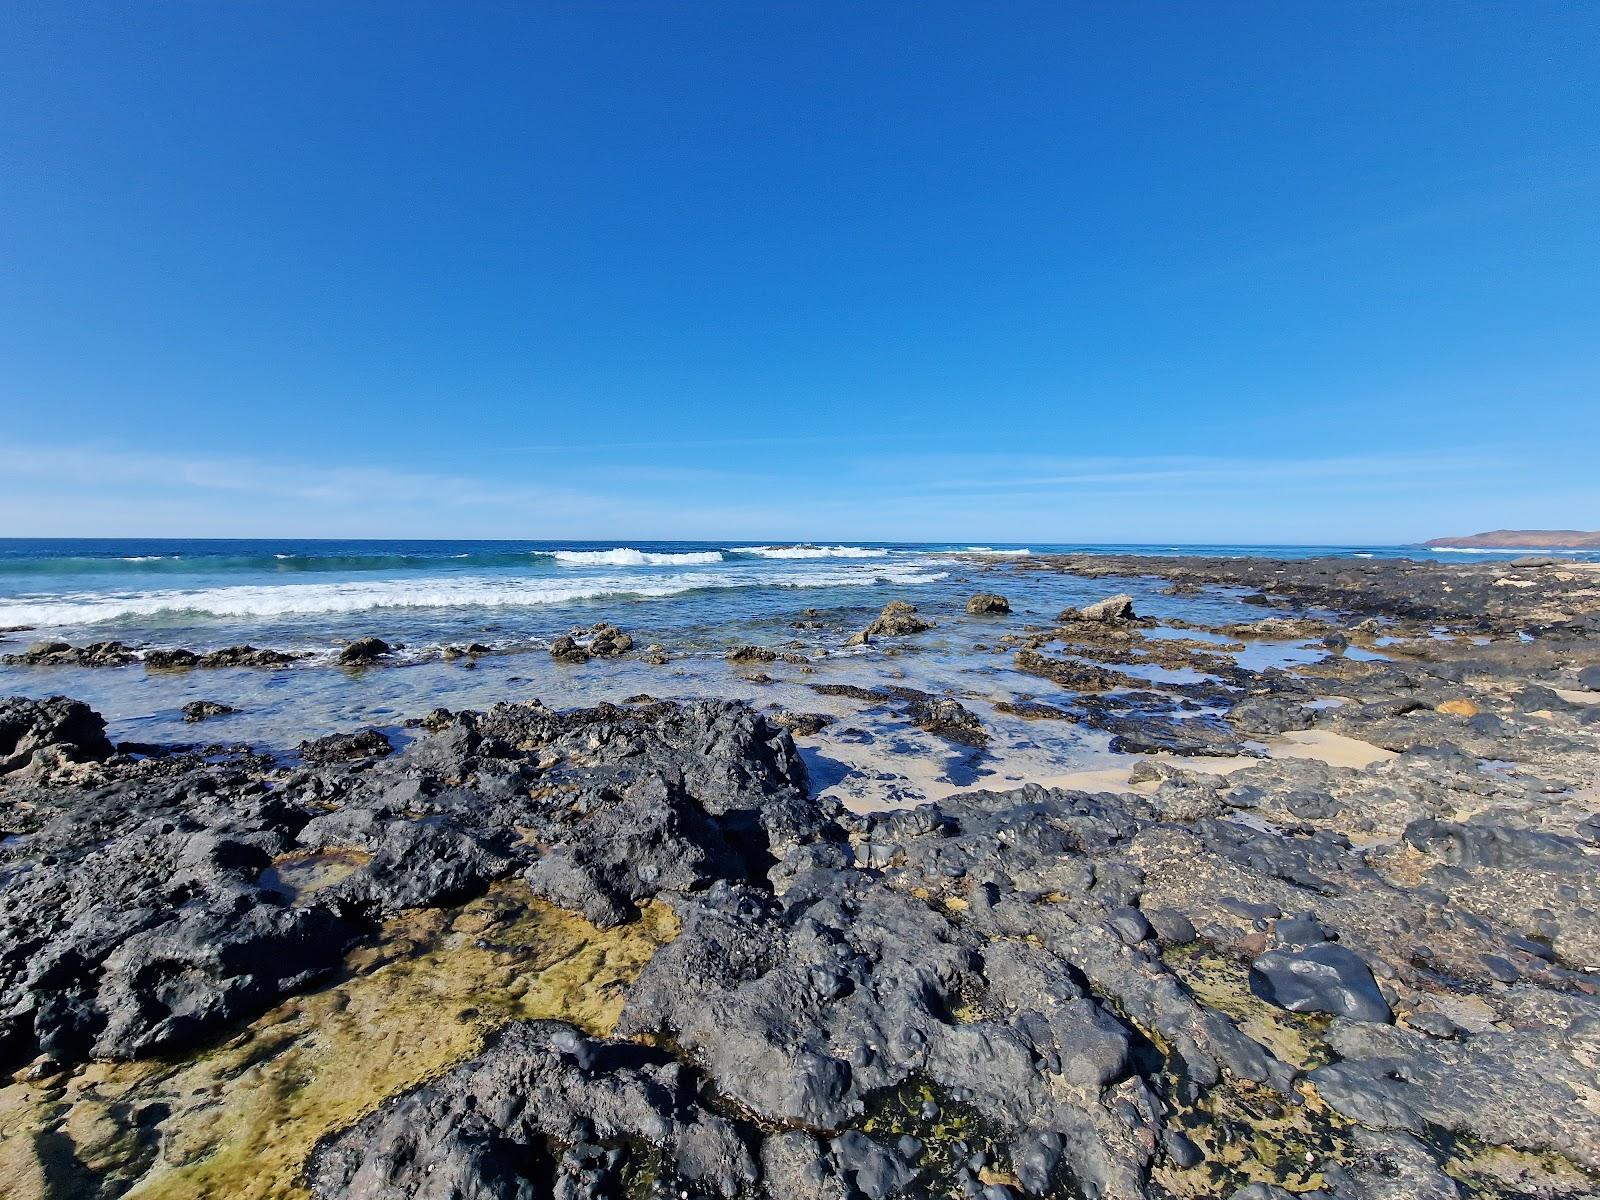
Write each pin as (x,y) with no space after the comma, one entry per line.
(1108,611)
(68,728)
(345,747)
(898,619)
(1322,978)
(988,604)
(364,650)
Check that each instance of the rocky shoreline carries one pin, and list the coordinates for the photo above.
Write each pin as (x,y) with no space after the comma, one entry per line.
(631,953)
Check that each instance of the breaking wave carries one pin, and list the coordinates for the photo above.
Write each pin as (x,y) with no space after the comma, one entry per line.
(624,556)
(470,592)
(807,551)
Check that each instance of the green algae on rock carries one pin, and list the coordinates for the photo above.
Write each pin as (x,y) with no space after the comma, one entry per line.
(238,1120)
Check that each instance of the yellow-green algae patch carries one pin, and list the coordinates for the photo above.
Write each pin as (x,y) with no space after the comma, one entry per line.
(1223,983)
(1486,1172)
(950,1134)
(238,1121)
(1248,1132)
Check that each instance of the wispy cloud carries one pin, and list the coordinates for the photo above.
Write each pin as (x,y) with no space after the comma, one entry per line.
(92,490)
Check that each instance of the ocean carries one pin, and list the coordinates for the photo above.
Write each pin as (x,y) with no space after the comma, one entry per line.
(697,600)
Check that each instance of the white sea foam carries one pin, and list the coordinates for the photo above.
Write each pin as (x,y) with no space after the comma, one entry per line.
(624,556)
(989,551)
(810,551)
(146,557)
(309,599)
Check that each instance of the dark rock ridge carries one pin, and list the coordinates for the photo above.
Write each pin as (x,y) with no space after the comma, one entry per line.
(135,918)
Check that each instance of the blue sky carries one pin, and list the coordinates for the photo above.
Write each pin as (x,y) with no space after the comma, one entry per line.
(1122,272)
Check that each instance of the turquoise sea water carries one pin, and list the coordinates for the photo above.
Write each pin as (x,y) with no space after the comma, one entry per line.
(305,592)
(696,599)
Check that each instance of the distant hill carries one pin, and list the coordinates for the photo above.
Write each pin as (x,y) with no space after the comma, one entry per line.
(1524,539)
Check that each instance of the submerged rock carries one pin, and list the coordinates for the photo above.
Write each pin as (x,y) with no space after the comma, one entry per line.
(751,654)
(201,710)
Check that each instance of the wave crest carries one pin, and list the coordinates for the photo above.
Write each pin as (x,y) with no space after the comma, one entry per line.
(624,556)
(808,551)
(310,599)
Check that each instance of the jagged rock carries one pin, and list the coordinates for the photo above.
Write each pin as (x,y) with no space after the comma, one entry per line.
(898,619)
(1589,678)
(948,719)
(364,650)
(200,710)
(346,747)
(1108,611)
(988,603)
(57,726)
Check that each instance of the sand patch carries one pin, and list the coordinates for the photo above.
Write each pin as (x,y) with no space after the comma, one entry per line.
(1332,748)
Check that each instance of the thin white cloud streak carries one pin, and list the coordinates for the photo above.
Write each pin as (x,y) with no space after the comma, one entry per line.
(97,491)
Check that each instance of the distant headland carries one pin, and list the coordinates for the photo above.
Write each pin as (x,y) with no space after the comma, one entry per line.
(1524,539)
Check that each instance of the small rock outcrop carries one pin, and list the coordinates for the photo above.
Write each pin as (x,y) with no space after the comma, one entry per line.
(345,747)
(201,710)
(364,650)
(946,718)
(988,604)
(898,619)
(598,641)
(63,654)
(1108,611)
(55,728)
